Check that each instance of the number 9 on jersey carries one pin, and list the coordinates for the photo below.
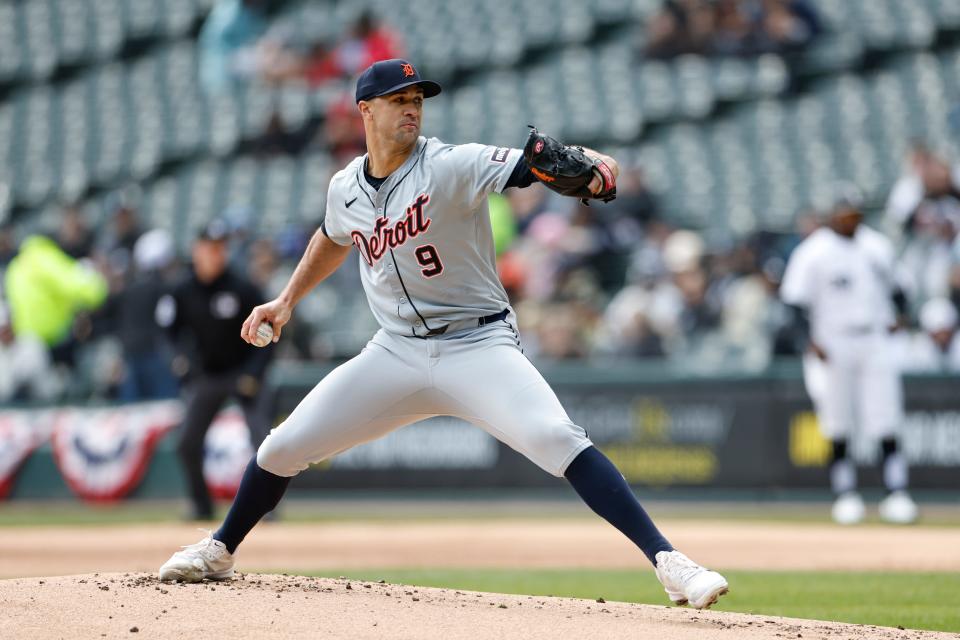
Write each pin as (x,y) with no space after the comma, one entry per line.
(429,259)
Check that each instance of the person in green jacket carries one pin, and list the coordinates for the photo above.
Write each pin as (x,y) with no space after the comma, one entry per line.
(46,288)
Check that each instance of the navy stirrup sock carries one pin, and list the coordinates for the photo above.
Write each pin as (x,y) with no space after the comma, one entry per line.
(604,489)
(259,493)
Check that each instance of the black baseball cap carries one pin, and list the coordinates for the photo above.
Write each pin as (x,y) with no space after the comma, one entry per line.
(216,230)
(847,196)
(387,76)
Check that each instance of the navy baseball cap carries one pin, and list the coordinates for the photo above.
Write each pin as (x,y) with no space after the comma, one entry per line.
(387,76)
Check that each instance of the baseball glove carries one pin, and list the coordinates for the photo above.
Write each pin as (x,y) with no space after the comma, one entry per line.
(567,170)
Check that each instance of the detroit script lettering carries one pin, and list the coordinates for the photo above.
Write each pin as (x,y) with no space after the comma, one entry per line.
(386,236)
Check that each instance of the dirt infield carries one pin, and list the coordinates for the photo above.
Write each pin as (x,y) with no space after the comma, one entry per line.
(98,603)
(512,543)
(265,606)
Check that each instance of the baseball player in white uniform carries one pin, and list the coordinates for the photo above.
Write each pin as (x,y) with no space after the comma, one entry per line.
(841,278)
(416,211)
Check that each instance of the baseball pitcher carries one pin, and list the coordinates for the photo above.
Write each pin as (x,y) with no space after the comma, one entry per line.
(415,210)
(841,280)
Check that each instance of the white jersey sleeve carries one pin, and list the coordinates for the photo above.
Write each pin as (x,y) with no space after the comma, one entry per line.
(474,171)
(333,224)
(798,287)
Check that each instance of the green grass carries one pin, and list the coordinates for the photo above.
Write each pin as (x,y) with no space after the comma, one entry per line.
(56,514)
(911,600)
(27,513)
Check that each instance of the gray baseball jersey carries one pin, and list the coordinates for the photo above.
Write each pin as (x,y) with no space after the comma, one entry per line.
(429,271)
(426,249)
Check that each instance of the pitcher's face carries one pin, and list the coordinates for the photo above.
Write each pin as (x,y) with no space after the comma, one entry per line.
(395,117)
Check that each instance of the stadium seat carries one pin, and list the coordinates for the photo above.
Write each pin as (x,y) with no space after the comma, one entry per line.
(119,119)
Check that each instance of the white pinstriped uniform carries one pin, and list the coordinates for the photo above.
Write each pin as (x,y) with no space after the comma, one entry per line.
(847,286)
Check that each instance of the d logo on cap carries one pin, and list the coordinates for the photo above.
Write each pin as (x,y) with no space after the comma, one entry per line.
(387,76)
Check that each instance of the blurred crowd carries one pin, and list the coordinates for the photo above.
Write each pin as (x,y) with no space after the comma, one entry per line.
(730,28)
(80,312)
(241,42)
(614,281)
(618,281)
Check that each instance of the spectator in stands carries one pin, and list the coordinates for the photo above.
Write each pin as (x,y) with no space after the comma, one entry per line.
(74,235)
(563,331)
(541,251)
(527,204)
(273,59)
(925,205)
(907,191)
(787,25)
(936,349)
(367,42)
(47,290)
(320,66)
(747,306)
(592,248)
(636,205)
(731,27)
(626,220)
(343,130)
(280,140)
(734,28)
(119,238)
(926,174)
(203,316)
(26,369)
(146,358)
(681,26)
(641,314)
(231,27)
(684,253)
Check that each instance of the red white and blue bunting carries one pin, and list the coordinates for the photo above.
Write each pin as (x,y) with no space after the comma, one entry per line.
(21,432)
(104,453)
(226,451)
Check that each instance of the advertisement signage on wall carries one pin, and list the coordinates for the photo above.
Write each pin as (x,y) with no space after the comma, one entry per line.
(757,433)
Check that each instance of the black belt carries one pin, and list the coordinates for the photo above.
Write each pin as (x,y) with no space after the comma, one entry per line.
(495,317)
(485,320)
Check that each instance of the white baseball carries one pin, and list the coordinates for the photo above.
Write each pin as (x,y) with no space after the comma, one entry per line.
(264,334)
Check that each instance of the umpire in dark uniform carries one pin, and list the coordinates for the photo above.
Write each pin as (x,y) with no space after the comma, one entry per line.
(203,317)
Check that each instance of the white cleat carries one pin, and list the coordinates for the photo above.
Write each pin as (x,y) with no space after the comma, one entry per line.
(686,582)
(848,508)
(208,559)
(898,508)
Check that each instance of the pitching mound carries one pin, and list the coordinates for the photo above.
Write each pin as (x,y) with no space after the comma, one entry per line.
(270,606)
